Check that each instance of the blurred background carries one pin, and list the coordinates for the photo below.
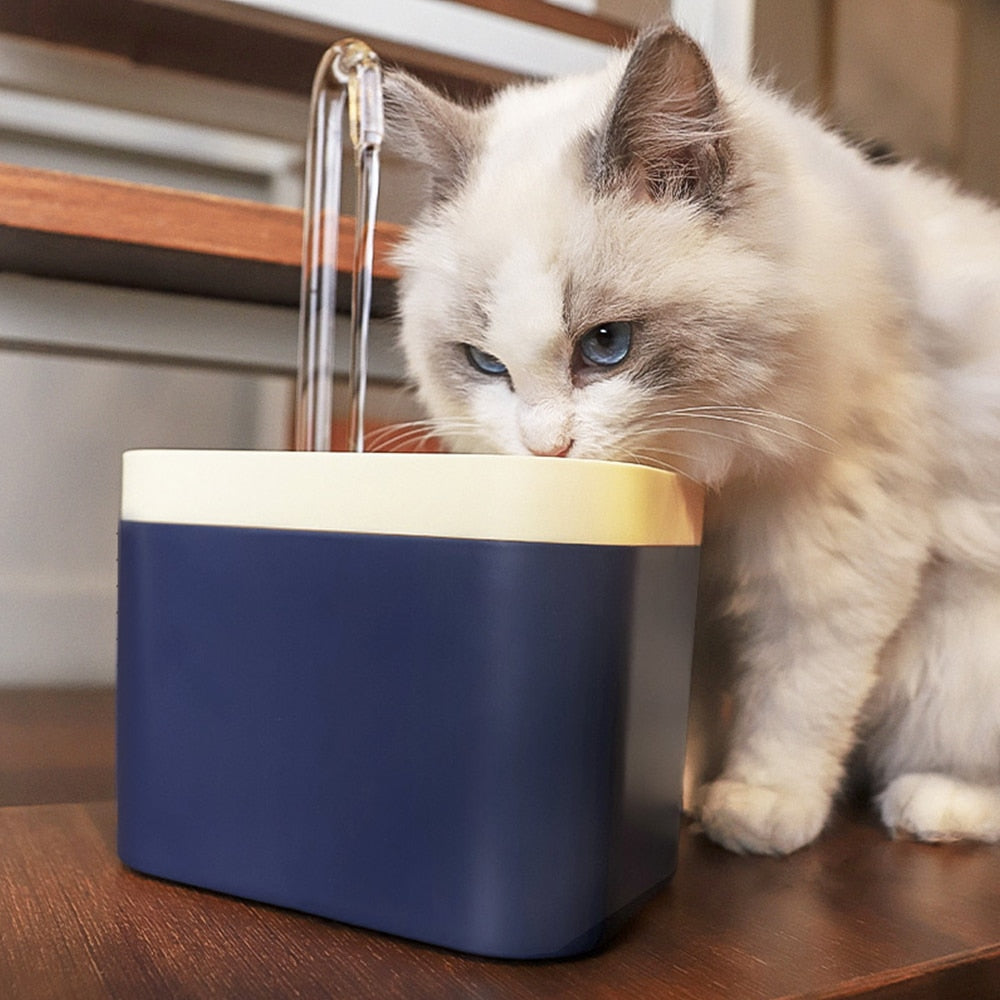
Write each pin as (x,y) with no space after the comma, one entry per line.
(211,96)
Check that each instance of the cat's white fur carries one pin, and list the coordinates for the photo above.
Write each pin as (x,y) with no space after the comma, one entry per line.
(836,330)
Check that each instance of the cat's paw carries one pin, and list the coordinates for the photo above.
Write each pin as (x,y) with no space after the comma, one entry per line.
(758,819)
(938,808)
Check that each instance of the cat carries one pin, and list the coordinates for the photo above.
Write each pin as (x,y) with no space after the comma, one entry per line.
(654,264)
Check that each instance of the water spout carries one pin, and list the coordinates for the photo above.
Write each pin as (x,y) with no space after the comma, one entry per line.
(349,73)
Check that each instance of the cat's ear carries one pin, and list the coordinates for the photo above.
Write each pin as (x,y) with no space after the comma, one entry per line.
(422,125)
(665,135)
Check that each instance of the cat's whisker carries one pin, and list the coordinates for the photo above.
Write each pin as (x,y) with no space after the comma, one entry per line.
(672,452)
(388,437)
(650,424)
(772,431)
(662,429)
(416,433)
(389,429)
(639,448)
(644,458)
(444,427)
(753,411)
(399,437)
(722,412)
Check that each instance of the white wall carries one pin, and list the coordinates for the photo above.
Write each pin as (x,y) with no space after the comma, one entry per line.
(65,420)
(724,28)
(65,424)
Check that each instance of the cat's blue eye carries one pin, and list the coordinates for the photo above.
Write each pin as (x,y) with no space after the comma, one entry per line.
(606,344)
(486,363)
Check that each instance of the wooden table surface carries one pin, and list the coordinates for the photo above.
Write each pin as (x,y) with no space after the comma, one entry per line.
(855,915)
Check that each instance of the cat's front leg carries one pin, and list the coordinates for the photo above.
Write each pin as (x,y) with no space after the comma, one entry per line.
(793,731)
(762,819)
(941,808)
(818,592)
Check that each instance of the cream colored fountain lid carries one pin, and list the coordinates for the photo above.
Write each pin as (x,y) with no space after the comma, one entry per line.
(500,497)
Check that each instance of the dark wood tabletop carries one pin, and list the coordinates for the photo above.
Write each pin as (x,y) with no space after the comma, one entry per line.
(855,915)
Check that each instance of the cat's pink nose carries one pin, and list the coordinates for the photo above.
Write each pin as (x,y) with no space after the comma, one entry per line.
(556,451)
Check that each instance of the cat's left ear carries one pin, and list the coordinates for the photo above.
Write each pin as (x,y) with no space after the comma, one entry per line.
(426,127)
(665,136)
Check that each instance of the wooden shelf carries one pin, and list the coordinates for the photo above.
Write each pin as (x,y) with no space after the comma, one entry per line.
(80,228)
(132,235)
(56,745)
(234,42)
(594,27)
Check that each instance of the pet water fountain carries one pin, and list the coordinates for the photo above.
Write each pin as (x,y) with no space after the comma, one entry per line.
(440,696)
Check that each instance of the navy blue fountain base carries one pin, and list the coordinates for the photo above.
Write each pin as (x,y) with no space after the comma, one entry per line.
(476,744)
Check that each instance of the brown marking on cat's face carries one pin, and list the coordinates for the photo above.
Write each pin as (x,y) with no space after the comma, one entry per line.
(664,137)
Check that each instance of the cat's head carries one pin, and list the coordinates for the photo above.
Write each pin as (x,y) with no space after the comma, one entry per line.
(585,281)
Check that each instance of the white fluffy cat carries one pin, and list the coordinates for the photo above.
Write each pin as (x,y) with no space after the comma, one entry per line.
(649,264)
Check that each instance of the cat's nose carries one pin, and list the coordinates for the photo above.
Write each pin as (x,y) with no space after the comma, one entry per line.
(556,451)
(545,426)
